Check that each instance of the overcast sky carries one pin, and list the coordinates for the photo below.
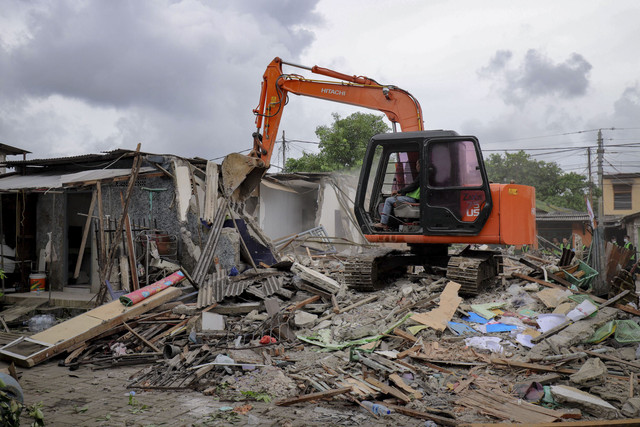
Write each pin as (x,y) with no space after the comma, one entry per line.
(183,77)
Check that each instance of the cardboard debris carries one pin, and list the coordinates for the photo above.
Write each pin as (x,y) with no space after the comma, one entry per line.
(438,317)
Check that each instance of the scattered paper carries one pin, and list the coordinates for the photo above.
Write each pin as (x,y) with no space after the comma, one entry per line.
(485,343)
(550,321)
(484,310)
(474,318)
(584,309)
(553,297)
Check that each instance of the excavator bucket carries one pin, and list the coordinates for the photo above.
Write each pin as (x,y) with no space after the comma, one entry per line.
(241,175)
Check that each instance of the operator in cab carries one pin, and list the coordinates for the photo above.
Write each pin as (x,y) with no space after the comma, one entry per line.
(409,194)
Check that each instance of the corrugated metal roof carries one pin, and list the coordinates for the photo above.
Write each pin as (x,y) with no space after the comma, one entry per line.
(83,158)
(4,148)
(57,180)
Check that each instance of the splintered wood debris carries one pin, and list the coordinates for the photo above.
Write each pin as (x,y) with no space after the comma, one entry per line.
(397,347)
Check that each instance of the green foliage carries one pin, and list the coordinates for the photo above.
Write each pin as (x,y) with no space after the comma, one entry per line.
(551,183)
(137,407)
(35,412)
(259,396)
(2,276)
(226,416)
(11,409)
(342,145)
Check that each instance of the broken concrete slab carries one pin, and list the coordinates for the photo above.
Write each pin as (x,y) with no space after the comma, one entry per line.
(316,278)
(228,249)
(212,322)
(586,401)
(573,334)
(593,372)
(631,408)
(303,319)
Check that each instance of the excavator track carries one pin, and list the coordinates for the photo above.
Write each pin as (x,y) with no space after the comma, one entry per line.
(474,270)
(370,272)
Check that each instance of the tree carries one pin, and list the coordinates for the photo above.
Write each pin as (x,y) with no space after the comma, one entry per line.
(552,185)
(342,145)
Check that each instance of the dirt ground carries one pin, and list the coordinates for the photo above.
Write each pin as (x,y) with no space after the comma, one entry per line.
(85,397)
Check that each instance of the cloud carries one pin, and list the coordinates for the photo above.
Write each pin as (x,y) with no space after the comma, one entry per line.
(537,76)
(627,107)
(180,75)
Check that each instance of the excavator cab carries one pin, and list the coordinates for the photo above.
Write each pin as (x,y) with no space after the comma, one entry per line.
(455,197)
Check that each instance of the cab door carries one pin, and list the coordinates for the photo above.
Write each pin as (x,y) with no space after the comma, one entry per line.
(457,200)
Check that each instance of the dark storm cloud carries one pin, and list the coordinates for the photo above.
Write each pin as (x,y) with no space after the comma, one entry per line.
(538,76)
(181,67)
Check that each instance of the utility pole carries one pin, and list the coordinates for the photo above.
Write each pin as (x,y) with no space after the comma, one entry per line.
(590,177)
(600,286)
(600,174)
(284,150)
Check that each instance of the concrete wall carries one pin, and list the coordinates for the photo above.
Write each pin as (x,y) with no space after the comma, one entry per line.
(283,213)
(51,217)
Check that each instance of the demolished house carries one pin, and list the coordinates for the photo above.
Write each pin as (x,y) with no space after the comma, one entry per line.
(253,297)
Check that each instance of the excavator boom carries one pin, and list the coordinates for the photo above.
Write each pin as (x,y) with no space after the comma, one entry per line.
(241,174)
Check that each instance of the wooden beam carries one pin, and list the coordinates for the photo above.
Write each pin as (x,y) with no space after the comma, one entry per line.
(543,271)
(85,234)
(386,389)
(423,415)
(303,303)
(314,396)
(132,256)
(141,338)
(623,307)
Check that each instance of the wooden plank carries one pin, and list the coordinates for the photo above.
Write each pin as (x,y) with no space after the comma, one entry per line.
(625,422)
(141,338)
(532,366)
(314,396)
(89,325)
(303,303)
(131,254)
(541,270)
(102,260)
(612,358)
(386,389)
(551,332)
(405,335)
(22,308)
(423,415)
(85,234)
(397,380)
(625,308)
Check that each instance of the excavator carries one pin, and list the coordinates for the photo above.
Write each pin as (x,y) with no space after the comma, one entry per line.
(457,203)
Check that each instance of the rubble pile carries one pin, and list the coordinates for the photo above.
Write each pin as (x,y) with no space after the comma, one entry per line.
(529,349)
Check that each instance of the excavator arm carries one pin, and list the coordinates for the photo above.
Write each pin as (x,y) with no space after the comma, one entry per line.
(241,174)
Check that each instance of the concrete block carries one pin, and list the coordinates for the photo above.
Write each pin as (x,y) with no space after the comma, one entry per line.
(228,249)
(303,319)
(593,372)
(585,401)
(631,408)
(212,322)
(577,333)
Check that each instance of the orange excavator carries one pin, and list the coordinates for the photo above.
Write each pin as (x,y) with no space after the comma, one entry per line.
(456,205)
